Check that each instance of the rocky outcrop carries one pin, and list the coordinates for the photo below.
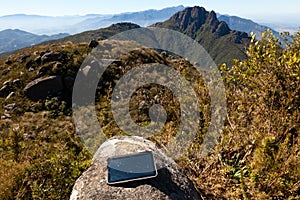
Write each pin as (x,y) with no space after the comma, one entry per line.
(93,44)
(222,43)
(4,91)
(222,29)
(238,37)
(23,57)
(171,183)
(192,19)
(8,87)
(69,82)
(43,87)
(51,56)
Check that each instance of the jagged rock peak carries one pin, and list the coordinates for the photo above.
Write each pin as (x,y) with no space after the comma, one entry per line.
(191,19)
(222,29)
(212,18)
(194,15)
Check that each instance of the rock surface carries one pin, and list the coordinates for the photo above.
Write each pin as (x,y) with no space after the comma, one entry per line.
(51,56)
(4,91)
(93,44)
(170,183)
(43,87)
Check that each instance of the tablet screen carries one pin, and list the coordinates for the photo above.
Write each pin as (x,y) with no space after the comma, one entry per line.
(131,167)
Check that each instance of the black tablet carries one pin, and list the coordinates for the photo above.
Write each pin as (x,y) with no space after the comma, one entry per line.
(131,167)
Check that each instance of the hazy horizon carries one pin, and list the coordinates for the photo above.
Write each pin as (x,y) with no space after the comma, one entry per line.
(260,11)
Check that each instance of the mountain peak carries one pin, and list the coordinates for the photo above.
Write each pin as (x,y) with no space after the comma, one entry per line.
(216,37)
(190,20)
(195,16)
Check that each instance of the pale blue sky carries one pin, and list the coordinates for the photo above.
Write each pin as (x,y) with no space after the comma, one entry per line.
(265,10)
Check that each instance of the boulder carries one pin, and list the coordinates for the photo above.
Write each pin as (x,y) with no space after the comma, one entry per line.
(4,91)
(8,82)
(69,82)
(93,44)
(5,72)
(57,66)
(30,64)
(38,60)
(23,57)
(10,95)
(6,116)
(43,87)
(31,69)
(10,106)
(43,70)
(8,62)
(170,183)
(16,82)
(51,56)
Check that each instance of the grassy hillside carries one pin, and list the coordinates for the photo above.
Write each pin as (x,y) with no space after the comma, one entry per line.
(257,157)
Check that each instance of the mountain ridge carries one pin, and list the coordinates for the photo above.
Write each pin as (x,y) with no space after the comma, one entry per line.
(13,39)
(245,25)
(216,37)
(141,18)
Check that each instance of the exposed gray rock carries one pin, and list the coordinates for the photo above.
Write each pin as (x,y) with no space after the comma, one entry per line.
(222,29)
(10,95)
(38,59)
(5,72)
(170,183)
(43,87)
(10,106)
(30,64)
(6,116)
(51,56)
(57,66)
(16,82)
(8,82)
(23,57)
(8,62)
(43,70)
(93,44)
(4,91)
(31,69)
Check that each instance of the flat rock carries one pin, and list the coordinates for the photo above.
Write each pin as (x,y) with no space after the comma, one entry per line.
(170,183)
(43,87)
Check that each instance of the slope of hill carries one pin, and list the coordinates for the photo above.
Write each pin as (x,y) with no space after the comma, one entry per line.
(257,157)
(99,34)
(15,39)
(245,25)
(216,37)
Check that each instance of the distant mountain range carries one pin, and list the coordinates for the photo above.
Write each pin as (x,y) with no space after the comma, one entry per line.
(44,24)
(76,24)
(144,18)
(216,37)
(245,25)
(35,25)
(15,39)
